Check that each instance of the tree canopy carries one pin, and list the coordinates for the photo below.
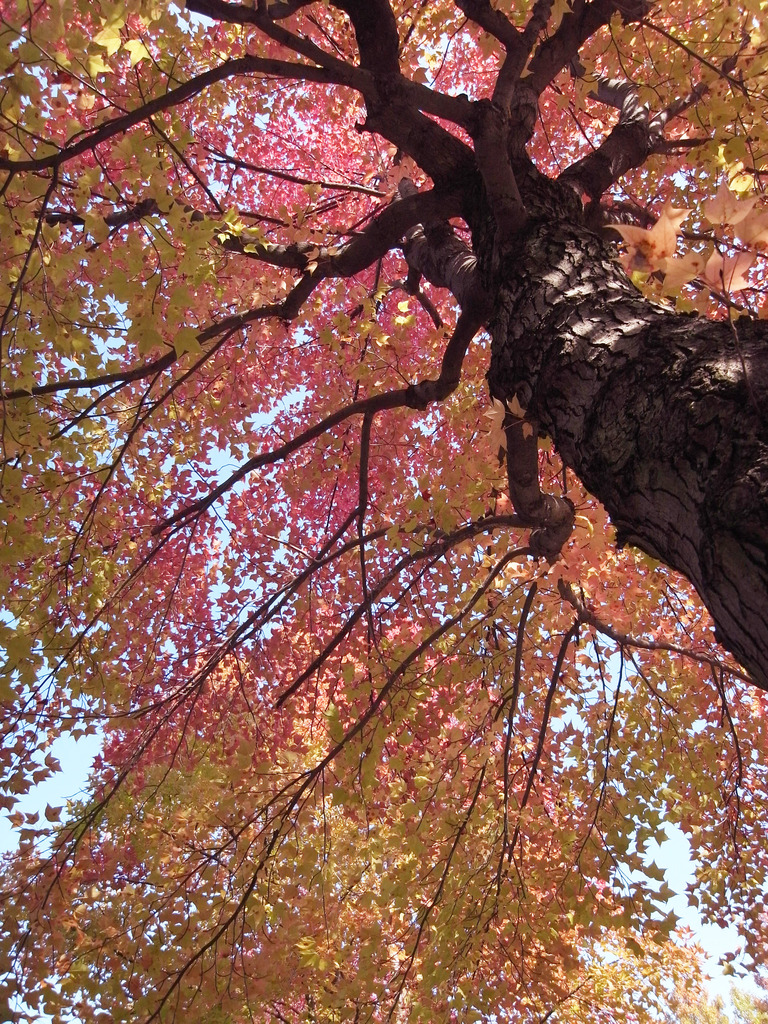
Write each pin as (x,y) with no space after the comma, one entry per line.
(385,482)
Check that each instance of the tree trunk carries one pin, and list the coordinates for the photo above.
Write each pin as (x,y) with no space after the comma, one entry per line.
(664,417)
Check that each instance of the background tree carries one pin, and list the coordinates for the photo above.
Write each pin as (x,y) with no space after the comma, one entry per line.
(749,1007)
(384,735)
(690,1005)
(696,1008)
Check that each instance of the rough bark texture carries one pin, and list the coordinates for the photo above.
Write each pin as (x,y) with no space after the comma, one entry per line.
(664,417)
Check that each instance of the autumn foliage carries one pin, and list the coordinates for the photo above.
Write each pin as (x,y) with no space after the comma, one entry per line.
(364,757)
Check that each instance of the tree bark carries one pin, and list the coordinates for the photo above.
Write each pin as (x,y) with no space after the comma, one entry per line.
(663,416)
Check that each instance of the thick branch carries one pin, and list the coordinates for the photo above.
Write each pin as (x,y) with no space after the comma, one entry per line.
(636,136)
(518,45)
(632,140)
(516,59)
(494,22)
(492,146)
(576,27)
(553,517)
(385,232)
(628,145)
(419,396)
(393,102)
(433,250)
(376,33)
(587,616)
(279,10)
(458,109)
(317,263)
(239,14)
(144,370)
(393,112)
(382,234)
(536,25)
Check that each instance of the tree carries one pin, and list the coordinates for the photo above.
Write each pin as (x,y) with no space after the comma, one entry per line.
(750,1008)
(691,1006)
(696,1008)
(391,706)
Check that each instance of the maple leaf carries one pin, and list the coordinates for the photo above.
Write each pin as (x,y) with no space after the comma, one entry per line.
(515,409)
(728,273)
(497,414)
(680,270)
(728,209)
(648,247)
(753,230)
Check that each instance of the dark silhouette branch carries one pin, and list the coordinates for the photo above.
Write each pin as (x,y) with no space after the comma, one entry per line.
(119,125)
(576,27)
(275,172)
(376,33)
(572,633)
(416,396)
(238,14)
(626,640)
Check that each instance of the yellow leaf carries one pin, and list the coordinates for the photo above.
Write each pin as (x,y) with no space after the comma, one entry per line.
(147,337)
(109,38)
(96,65)
(741,181)
(85,101)
(96,227)
(137,50)
(186,341)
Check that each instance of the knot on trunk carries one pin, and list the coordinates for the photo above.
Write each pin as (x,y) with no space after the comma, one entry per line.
(556,526)
(551,517)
